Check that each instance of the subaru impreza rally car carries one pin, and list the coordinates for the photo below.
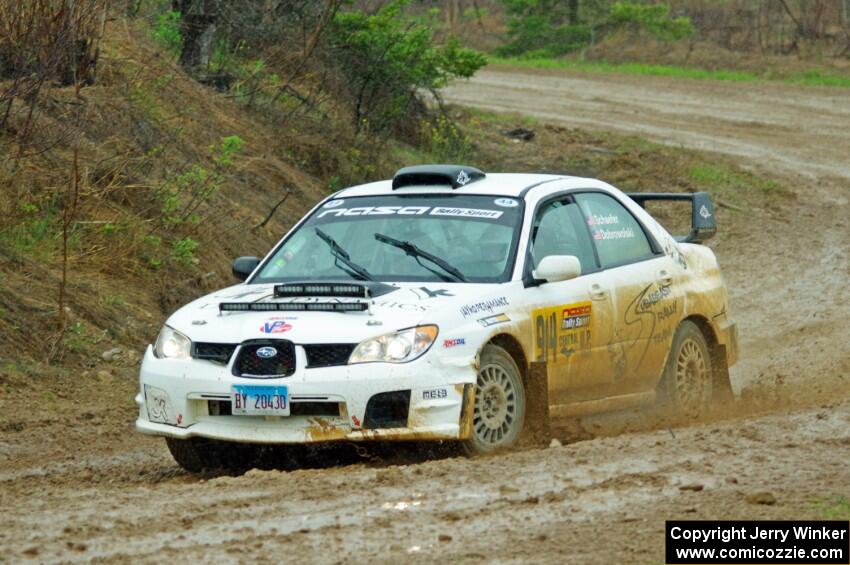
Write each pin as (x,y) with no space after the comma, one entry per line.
(446,304)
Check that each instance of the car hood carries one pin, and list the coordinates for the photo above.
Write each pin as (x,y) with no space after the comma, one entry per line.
(402,305)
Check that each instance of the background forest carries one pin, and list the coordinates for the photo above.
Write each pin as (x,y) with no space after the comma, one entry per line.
(145,143)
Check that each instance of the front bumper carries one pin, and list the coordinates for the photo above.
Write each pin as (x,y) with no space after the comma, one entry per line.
(179,399)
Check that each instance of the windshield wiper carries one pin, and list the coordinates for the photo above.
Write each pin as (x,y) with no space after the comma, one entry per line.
(416,253)
(340,254)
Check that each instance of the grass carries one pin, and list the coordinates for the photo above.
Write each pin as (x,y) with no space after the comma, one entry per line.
(834,508)
(719,177)
(812,77)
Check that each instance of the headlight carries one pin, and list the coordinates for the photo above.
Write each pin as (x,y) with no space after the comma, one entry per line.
(399,347)
(171,344)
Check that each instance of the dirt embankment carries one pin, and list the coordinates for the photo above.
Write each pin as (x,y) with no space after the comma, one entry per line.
(76,484)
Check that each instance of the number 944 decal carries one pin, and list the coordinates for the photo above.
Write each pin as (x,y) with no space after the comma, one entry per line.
(561,331)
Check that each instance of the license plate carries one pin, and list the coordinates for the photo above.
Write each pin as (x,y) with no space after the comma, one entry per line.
(253,400)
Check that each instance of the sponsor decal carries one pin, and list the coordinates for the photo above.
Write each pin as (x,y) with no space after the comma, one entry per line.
(600,220)
(703,211)
(275,327)
(493,320)
(333,203)
(158,404)
(403,306)
(650,299)
(199,322)
(603,234)
(575,317)
(559,332)
(466,212)
(356,421)
(463,178)
(413,211)
(454,342)
(377,211)
(434,394)
(485,306)
(649,321)
(266,352)
(506,202)
(435,293)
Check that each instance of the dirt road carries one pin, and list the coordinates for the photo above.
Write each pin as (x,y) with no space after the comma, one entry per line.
(76,484)
(798,129)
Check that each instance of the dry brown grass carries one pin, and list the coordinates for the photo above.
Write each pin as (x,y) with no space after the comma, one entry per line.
(144,123)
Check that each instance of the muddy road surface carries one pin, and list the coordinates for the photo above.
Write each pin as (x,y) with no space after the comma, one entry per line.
(78,485)
(799,129)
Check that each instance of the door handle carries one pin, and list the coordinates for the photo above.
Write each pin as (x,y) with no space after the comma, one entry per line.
(597,292)
(665,277)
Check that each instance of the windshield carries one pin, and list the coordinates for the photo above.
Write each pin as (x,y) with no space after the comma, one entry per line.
(456,238)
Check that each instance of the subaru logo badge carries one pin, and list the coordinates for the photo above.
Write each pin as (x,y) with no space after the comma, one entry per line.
(266,352)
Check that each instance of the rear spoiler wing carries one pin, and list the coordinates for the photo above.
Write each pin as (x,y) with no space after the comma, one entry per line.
(703,224)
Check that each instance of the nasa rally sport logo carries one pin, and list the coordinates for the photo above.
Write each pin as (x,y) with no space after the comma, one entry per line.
(275,327)
(506,202)
(266,352)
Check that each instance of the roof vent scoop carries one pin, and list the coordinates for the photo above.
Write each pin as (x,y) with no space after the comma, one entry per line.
(456,176)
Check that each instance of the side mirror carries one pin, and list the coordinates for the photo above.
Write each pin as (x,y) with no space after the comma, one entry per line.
(244,266)
(554,268)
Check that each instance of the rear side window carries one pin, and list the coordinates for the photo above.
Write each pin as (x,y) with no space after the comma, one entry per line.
(618,236)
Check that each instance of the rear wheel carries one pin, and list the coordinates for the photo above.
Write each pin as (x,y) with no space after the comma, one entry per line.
(499,407)
(687,382)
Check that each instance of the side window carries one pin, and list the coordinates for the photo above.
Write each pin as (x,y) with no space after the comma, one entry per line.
(618,236)
(558,230)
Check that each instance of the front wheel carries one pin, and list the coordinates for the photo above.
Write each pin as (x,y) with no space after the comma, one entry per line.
(197,455)
(499,407)
(687,383)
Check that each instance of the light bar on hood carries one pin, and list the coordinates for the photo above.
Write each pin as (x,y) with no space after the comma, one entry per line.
(293,306)
(321,289)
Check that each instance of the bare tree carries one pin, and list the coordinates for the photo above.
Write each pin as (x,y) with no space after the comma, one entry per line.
(198,19)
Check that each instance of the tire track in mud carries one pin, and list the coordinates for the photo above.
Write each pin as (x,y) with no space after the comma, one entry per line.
(403,512)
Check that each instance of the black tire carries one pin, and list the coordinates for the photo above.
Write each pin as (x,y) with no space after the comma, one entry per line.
(197,455)
(687,384)
(499,405)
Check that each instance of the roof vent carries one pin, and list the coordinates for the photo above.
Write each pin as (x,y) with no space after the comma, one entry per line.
(456,176)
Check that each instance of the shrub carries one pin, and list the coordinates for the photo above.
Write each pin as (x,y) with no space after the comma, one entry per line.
(183,250)
(650,18)
(545,27)
(384,59)
(538,35)
(548,28)
(166,31)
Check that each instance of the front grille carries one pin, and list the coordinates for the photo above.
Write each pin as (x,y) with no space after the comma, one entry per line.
(328,355)
(215,352)
(250,364)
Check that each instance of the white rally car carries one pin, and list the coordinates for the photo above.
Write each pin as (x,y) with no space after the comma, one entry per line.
(445,304)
